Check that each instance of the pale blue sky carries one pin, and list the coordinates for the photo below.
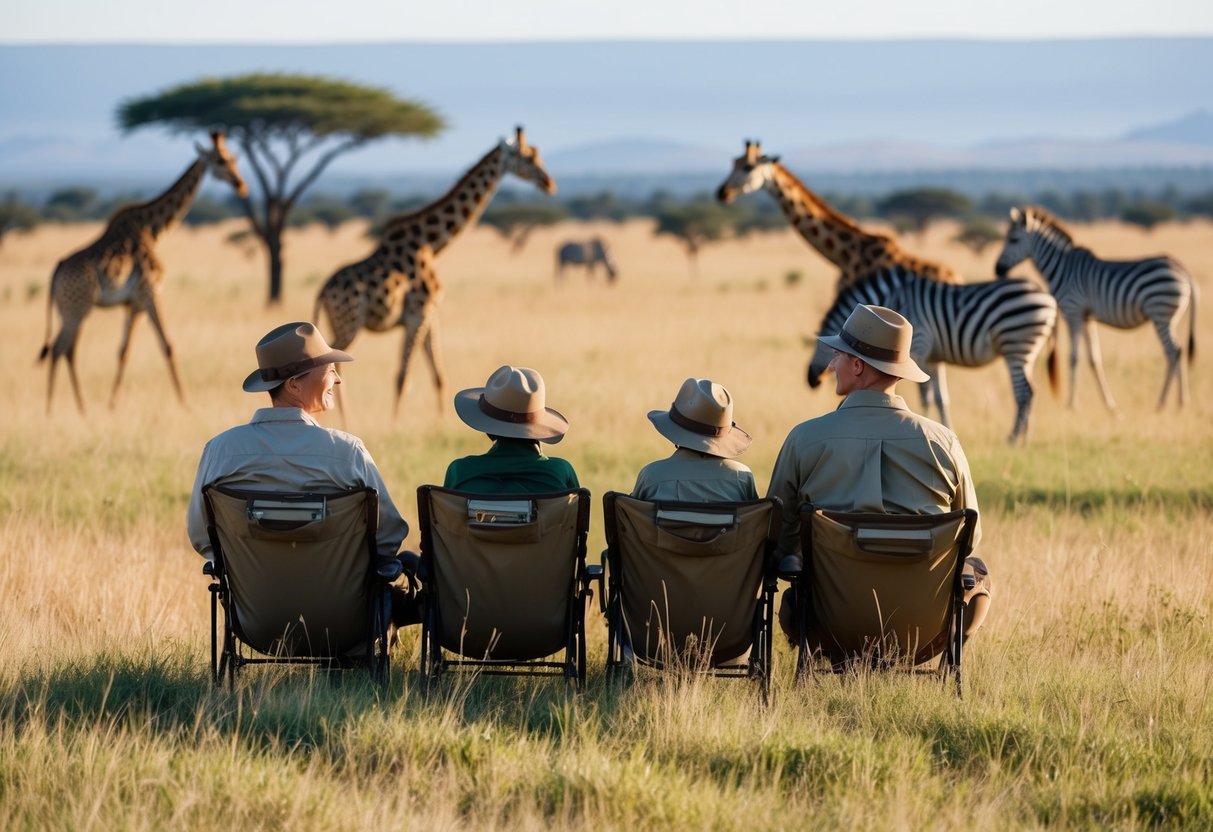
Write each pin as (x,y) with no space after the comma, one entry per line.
(337,21)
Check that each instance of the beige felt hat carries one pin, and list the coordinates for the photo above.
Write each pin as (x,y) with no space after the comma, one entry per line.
(701,418)
(880,337)
(287,351)
(512,404)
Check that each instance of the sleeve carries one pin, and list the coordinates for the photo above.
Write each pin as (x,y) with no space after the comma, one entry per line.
(748,486)
(643,489)
(966,494)
(392,527)
(572,476)
(785,484)
(195,516)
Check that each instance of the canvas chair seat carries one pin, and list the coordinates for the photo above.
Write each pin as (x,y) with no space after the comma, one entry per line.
(690,584)
(505,580)
(885,589)
(298,577)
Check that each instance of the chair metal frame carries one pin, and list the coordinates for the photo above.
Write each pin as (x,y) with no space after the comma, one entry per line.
(434,660)
(758,665)
(232,653)
(803,584)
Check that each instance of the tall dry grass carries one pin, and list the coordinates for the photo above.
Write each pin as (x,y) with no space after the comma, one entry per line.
(1088,691)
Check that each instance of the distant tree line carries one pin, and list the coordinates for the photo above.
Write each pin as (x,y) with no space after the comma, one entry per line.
(694,221)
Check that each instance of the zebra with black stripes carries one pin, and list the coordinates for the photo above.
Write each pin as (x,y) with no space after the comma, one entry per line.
(1121,293)
(968,324)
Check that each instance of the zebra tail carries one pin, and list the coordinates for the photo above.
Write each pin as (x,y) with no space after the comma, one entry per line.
(1192,323)
(1051,363)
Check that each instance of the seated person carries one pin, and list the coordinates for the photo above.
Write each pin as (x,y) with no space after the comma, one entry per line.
(700,424)
(872,453)
(511,409)
(283,448)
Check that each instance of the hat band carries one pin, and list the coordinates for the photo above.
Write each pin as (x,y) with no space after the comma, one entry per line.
(698,427)
(507,415)
(290,370)
(870,350)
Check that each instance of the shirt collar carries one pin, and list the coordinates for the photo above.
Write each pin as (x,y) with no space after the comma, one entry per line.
(873,398)
(282,414)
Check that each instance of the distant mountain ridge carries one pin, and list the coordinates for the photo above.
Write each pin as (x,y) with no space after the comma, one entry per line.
(654,109)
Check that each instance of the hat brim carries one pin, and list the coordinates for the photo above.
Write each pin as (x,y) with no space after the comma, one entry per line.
(549,426)
(908,369)
(254,383)
(729,444)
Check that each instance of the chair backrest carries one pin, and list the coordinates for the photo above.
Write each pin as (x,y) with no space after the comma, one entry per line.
(503,568)
(689,575)
(297,566)
(883,584)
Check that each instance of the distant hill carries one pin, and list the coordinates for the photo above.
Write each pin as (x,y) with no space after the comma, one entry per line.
(657,109)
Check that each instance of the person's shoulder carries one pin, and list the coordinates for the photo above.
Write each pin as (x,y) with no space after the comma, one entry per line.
(735,466)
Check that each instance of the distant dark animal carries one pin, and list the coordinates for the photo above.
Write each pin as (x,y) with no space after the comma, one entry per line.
(1121,293)
(588,254)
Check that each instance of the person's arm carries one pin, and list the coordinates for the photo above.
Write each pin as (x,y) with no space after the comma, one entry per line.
(748,486)
(195,516)
(966,494)
(392,527)
(785,484)
(643,489)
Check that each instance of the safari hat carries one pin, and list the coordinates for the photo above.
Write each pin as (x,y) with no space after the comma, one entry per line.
(286,352)
(880,337)
(511,404)
(701,418)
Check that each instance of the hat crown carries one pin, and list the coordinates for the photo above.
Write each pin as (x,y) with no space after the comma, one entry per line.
(289,344)
(516,390)
(878,332)
(705,402)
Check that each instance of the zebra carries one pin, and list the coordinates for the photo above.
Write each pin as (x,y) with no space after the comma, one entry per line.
(967,324)
(1121,293)
(589,254)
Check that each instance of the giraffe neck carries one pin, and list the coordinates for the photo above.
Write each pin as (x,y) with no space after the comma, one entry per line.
(162,213)
(838,238)
(443,219)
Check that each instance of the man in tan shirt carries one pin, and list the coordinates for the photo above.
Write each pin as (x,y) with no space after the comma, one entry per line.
(873,453)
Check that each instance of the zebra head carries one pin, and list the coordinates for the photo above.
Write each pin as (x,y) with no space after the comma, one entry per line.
(522,160)
(751,172)
(1018,245)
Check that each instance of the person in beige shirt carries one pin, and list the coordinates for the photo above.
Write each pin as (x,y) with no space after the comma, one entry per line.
(873,453)
(701,469)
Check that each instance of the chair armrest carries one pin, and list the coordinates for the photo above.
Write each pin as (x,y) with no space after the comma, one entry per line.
(208,568)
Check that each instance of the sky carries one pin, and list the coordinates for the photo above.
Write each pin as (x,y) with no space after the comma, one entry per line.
(346,21)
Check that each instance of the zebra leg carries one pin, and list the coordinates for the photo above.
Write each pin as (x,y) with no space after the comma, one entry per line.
(1096,360)
(1022,390)
(939,385)
(1175,364)
(1077,334)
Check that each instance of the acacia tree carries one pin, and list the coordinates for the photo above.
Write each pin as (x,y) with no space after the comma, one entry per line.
(693,224)
(516,220)
(919,207)
(288,127)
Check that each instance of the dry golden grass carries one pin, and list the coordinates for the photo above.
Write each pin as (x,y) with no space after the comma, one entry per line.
(1089,689)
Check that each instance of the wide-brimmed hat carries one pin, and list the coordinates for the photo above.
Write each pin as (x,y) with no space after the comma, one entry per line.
(287,351)
(880,337)
(513,404)
(701,418)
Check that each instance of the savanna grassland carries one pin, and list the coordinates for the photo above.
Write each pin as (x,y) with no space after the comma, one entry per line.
(1088,693)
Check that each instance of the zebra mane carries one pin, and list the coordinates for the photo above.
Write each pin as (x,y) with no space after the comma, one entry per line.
(1046,218)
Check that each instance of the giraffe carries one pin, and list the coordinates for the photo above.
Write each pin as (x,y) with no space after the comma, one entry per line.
(856,252)
(397,285)
(121,269)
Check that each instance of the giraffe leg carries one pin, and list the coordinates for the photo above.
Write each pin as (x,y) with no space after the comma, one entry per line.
(153,315)
(132,315)
(1095,359)
(70,355)
(412,334)
(434,354)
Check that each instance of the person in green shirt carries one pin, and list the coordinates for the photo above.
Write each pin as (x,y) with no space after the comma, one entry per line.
(511,409)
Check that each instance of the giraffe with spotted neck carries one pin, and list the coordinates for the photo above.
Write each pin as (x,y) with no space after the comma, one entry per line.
(856,252)
(121,269)
(397,286)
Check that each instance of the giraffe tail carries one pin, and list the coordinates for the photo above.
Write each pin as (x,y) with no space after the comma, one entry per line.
(50,300)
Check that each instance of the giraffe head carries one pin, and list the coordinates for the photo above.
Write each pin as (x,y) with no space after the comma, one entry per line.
(751,172)
(522,160)
(221,162)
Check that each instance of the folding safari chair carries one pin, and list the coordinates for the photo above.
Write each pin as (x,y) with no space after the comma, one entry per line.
(504,582)
(882,590)
(690,584)
(298,579)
